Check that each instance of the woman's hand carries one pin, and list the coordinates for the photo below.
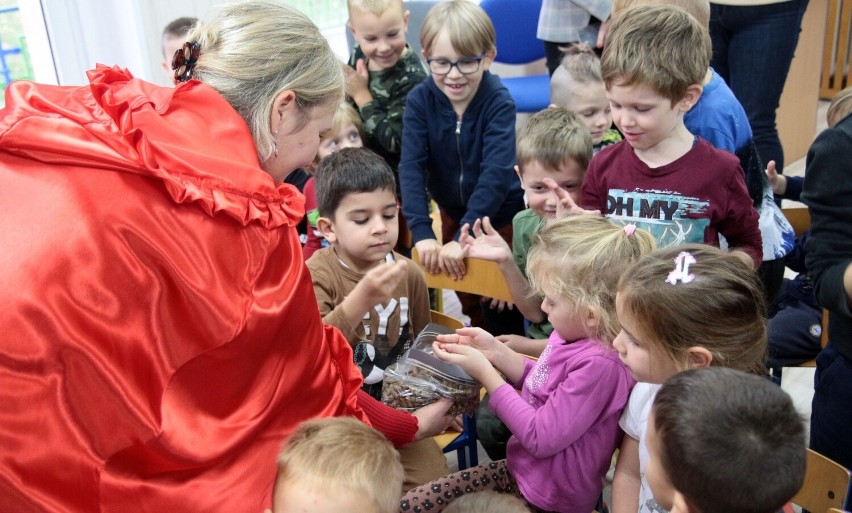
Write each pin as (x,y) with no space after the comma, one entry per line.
(451,258)
(429,249)
(432,419)
(484,242)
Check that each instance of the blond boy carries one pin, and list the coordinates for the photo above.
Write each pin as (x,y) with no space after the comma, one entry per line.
(381,71)
(337,464)
(554,145)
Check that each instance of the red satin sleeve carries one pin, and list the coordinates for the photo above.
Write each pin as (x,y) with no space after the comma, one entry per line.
(399,427)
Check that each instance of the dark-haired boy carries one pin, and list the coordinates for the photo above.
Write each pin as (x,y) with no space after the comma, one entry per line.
(723,441)
(376,297)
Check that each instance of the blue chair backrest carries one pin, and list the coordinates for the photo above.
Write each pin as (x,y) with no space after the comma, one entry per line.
(516,23)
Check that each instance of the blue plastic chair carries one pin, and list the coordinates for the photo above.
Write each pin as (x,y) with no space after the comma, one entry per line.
(516,23)
(465,444)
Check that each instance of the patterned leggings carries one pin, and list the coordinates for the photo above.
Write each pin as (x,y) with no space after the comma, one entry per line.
(435,496)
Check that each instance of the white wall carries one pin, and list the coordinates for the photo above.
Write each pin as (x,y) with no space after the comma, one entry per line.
(84,33)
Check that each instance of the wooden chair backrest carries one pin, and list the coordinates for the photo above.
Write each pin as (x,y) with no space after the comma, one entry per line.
(799,218)
(835,510)
(826,484)
(446,321)
(482,278)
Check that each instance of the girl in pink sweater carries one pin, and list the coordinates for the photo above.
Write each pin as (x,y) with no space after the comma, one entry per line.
(565,419)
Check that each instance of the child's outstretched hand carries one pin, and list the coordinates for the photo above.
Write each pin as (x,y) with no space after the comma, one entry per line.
(484,242)
(566,204)
(477,338)
(472,360)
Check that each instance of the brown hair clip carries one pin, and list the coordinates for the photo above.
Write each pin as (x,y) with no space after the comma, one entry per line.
(184,60)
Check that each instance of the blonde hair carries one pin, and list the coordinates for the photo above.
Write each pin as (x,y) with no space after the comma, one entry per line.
(552,137)
(343,452)
(344,114)
(252,50)
(722,309)
(376,7)
(470,29)
(698,9)
(840,107)
(658,46)
(579,64)
(580,258)
(487,501)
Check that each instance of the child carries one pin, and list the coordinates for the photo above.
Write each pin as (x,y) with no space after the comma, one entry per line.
(565,419)
(173,38)
(487,502)
(458,137)
(337,464)
(345,132)
(552,144)
(680,308)
(726,441)
(382,70)
(662,177)
(719,118)
(377,298)
(577,85)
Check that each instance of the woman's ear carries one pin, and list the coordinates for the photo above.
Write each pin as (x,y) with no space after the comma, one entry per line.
(326,228)
(698,357)
(283,106)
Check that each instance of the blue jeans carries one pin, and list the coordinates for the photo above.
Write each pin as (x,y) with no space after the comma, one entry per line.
(752,50)
(831,416)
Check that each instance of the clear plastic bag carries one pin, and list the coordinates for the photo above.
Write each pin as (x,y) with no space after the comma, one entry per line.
(419,378)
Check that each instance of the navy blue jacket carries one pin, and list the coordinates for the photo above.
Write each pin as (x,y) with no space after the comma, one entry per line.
(467,165)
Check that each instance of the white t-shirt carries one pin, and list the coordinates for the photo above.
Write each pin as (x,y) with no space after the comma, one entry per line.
(634,422)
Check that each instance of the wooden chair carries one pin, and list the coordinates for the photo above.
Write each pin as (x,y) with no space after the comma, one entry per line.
(482,278)
(826,485)
(799,218)
(464,443)
(835,510)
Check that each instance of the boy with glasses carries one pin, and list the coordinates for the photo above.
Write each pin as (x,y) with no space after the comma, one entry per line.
(458,141)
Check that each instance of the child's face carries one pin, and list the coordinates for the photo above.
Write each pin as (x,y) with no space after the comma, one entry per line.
(298,145)
(646,119)
(647,361)
(657,478)
(382,38)
(541,200)
(566,320)
(589,102)
(459,88)
(303,496)
(347,137)
(365,228)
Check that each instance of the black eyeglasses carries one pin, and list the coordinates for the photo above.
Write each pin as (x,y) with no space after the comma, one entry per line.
(465,65)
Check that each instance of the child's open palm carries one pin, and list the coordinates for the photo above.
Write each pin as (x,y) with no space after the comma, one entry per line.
(472,360)
(484,242)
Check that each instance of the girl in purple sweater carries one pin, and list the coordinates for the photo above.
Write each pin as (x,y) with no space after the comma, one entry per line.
(565,419)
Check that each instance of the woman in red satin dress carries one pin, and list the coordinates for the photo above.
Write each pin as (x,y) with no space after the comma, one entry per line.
(159,336)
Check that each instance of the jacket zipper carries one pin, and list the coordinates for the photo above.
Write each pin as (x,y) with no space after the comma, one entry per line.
(461,163)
